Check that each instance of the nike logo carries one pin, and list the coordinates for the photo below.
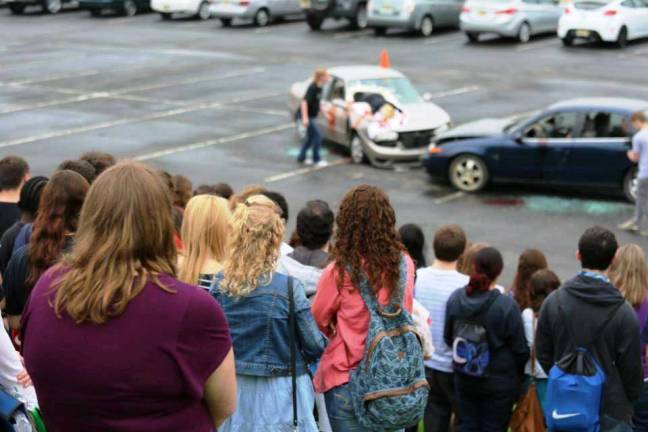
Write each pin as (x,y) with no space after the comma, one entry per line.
(557,416)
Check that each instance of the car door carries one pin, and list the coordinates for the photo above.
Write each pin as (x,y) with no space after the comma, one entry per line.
(597,153)
(292,7)
(641,22)
(533,11)
(550,134)
(551,11)
(333,115)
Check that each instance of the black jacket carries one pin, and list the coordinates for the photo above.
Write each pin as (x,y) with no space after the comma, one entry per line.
(507,344)
(586,303)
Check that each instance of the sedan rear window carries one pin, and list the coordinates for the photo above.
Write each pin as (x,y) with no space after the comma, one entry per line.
(401,88)
(590,5)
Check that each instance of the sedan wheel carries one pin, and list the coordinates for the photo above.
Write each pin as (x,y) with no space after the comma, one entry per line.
(360,20)
(468,173)
(631,185)
(357,151)
(203,11)
(427,26)
(524,34)
(129,8)
(17,8)
(53,6)
(262,18)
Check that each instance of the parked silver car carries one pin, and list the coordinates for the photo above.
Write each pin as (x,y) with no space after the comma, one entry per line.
(423,16)
(518,19)
(261,12)
(408,142)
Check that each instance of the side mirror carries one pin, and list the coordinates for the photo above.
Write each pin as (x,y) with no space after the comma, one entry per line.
(427,97)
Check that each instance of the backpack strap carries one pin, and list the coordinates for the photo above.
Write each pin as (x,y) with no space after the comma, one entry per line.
(395,306)
(589,341)
(493,295)
(292,323)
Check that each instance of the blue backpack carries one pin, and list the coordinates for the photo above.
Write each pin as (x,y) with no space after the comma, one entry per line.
(389,387)
(575,385)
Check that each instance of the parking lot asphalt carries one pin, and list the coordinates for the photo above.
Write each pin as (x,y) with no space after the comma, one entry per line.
(193,98)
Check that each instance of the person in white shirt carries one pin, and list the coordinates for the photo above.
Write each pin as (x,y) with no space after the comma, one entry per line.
(434,285)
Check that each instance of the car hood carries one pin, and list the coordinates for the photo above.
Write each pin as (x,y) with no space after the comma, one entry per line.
(476,129)
(422,116)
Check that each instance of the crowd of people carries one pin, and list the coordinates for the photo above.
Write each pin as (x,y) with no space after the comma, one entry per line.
(142,304)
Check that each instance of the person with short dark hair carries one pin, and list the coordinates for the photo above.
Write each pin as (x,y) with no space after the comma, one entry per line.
(486,401)
(99,160)
(14,172)
(589,311)
(182,187)
(280,201)
(82,167)
(639,155)
(414,241)
(223,190)
(314,229)
(434,285)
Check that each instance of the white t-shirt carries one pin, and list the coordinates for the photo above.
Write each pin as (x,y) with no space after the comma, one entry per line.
(432,290)
(10,367)
(527,319)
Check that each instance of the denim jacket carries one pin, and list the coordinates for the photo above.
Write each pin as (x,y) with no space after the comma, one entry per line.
(260,331)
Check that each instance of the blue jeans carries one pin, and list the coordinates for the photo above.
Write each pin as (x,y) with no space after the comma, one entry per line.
(339,407)
(640,417)
(313,139)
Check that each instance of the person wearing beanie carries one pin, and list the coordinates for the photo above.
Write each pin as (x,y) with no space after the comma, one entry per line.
(28,205)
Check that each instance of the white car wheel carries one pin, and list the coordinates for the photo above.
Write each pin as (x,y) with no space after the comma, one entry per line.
(524,34)
(262,18)
(468,173)
(129,8)
(357,150)
(427,26)
(631,185)
(360,21)
(53,6)
(203,11)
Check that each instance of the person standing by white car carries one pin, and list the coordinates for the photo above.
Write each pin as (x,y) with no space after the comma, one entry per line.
(639,154)
(310,108)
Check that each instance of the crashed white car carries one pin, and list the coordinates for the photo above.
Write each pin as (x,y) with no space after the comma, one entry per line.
(400,133)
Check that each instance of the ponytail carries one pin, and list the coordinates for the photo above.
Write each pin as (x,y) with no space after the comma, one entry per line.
(478,282)
(487,268)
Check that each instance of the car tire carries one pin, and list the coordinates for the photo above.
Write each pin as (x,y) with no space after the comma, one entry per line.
(166,16)
(427,26)
(380,31)
(524,33)
(203,13)
(568,40)
(226,22)
(17,8)
(95,12)
(622,38)
(129,8)
(262,17)
(52,6)
(314,22)
(359,21)
(630,185)
(468,173)
(472,37)
(356,148)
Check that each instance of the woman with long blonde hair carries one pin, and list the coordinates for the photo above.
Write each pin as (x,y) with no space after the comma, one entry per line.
(205,229)
(256,301)
(112,340)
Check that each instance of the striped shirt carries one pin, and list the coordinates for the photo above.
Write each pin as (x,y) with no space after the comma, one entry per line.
(433,288)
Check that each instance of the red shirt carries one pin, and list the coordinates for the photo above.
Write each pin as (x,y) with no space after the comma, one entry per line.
(345,311)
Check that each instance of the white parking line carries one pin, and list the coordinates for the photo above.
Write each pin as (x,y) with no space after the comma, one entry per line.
(455,92)
(257,110)
(303,171)
(451,197)
(50,78)
(440,39)
(51,103)
(213,142)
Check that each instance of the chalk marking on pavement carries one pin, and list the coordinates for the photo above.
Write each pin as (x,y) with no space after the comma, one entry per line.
(208,143)
(262,31)
(439,39)
(534,45)
(352,34)
(455,92)
(303,171)
(451,197)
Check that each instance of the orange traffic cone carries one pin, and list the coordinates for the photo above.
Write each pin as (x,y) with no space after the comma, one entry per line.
(384,59)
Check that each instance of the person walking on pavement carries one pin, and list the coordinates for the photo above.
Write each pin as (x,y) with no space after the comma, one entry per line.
(639,154)
(310,108)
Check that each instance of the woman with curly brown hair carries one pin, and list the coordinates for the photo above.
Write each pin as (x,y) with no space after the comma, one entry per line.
(366,245)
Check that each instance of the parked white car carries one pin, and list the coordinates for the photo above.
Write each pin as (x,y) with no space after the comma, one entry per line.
(166,8)
(261,12)
(616,21)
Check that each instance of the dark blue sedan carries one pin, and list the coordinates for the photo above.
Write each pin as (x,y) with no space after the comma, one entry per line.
(576,143)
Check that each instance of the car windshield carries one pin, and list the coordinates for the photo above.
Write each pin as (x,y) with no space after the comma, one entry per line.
(401,88)
(515,121)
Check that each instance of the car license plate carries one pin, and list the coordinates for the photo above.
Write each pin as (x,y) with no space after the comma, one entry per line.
(304,4)
(387,10)
(167,7)
(481,13)
(582,33)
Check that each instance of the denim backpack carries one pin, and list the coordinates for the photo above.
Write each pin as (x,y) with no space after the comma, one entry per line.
(575,384)
(389,388)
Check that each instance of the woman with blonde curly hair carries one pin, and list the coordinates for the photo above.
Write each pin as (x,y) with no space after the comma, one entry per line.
(366,245)
(256,302)
(205,231)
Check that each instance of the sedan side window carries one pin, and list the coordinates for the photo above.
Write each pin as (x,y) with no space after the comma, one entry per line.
(628,4)
(557,125)
(605,125)
(641,3)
